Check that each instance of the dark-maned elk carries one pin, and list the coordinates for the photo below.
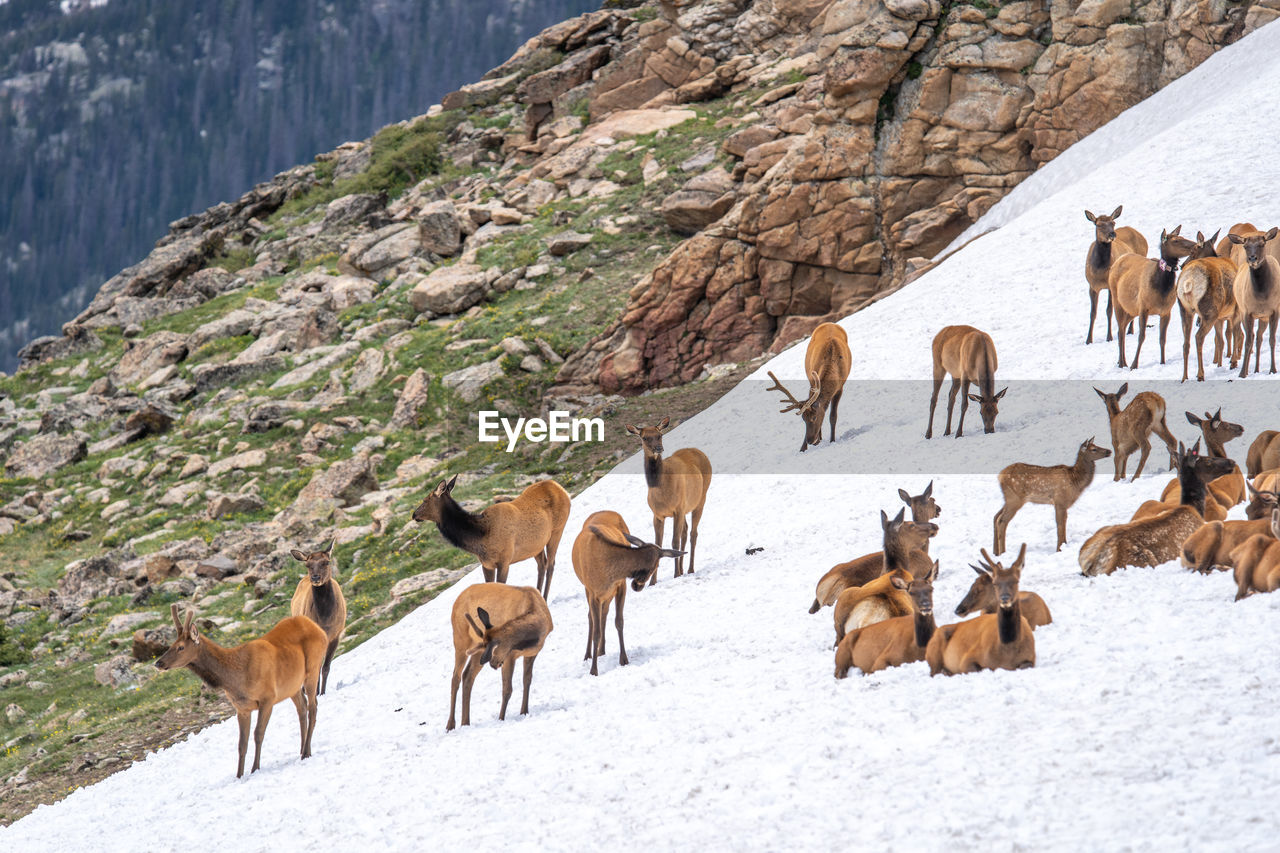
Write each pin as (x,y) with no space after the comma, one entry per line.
(1257,292)
(677,487)
(1145,286)
(899,540)
(320,599)
(1206,295)
(1131,428)
(982,598)
(969,355)
(826,364)
(1060,485)
(893,642)
(1109,243)
(282,664)
(529,525)
(1228,490)
(1002,640)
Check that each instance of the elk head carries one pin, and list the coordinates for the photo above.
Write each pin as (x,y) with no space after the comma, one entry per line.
(921,591)
(908,534)
(649,553)
(1004,581)
(1091,451)
(1255,246)
(1261,502)
(988,407)
(1172,247)
(1104,227)
(811,410)
(651,437)
(923,507)
(319,564)
(1204,247)
(1215,429)
(431,508)
(517,635)
(186,647)
(1112,401)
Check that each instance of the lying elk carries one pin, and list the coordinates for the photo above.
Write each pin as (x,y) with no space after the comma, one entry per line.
(1108,244)
(1209,547)
(883,598)
(282,664)
(1131,428)
(1060,485)
(1226,491)
(1145,286)
(900,539)
(1156,539)
(529,525)
(677,487)
(893,642)
(1257,561)
(1257,292)
(969,355)
(605,557)
(1002,640)
(1205,294)
(1264,494)
(1263,453)
(320,599)
(983,598)
(496,624)
(826,363)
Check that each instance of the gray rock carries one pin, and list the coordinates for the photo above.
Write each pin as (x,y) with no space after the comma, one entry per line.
(438,229)
(354,208)
(368,368)
(345,480)
(469,382)
(413,397)
(116,672)
(145,357)
(700,202)
(451,290)
(206,284)
(382,249)
(238,462)
(481,94)
(230,325)
(271,415)
(567,242)
(218,566)
(704,158)
(211,376)
(44,454)
(223,505)
(150,644)
(75,339)
(123,623)
(132,310)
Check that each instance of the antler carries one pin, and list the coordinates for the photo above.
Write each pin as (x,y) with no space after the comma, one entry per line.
(777,386)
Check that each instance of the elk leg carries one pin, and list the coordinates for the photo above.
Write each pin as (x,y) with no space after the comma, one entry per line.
(591,628)
(1164,329)
(242,717)
(468,679)
(488,573)
(964,407)
(508,668)
(1003,517)
(1145,446)
(458,659)
(1060,513)
(1093,313)
(1257,359)
(1142,336)
(528,679)
(1201,334)
(1121,320)
(658,523)
(835,405)
(264,717)
(1186,339)
(951,403)
(693,534)
(1109,317)
(933,403)
(617,623)
(1274,319)
(313,704)
(553,544)
(678,537)
(300,702)
(328,659)
(602,610)
(540,560)
(1218,345)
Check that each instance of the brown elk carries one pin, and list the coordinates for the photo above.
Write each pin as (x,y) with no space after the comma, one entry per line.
(900,539)
(1257,561)
(1257,293)
(969,355)
(1206,294)
(982,598)
(1264,494)
(605,557)
(883,598)
(282,664)
(496,624)
(1263,454)
(1145,286)
(1224,492)
(826,364)
(1002,640)
(1209,547)
(1158,538)
(529,525)
(677,486)
(1060,485)
(320,599)
(892,642)
(1108,244)
(1131,428)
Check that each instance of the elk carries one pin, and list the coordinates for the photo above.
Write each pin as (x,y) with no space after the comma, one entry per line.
(1264,496)
(893,642)
(1000,640)
(677,486)
(282,664)
(1206,294)
(529,525)
(1257,561)
(826,363)
(1263,454)
(1209,547)
(1108,243)
(320,599)
(1144,286)
(900,538)
(982,597)
(1224,492)
(883,598)
(1257,292)
(1131,427)
(495,624)
(1060,485)
(1156,539)
(605,556)
(969,355)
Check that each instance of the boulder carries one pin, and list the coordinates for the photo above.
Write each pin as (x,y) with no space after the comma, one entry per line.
(470,382)
(74,340)
(216,566)
(273,414)
(567,242)
(212,376)
(223,505)
(206,284)
(238,462)
(367,370)
(151,643)
(345,480)
(230,325)
(43,454)
(700,202)
(135,310)
(481,94)
(438,229)
(413,397)
(451,290)
(151,419)
(116,672)
(144,357)
(354,209)
(380,250)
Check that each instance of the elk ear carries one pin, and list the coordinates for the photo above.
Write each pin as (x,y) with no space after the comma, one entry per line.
(933,575)
(1271,235)
(1214,239)
(633,430)
(1022,559)
(1101,394)
(474,626)
(666,422)
(1235,238)
(488,652)
(898,582)
(635,540)
(1122,390)
(452,482)
(902,513)
(1089,216)
(1192,419)
(484,617)
(1247,485)
(298,555)
(1175,232)
(928,490)
(902,493)
(1116,212)
(975,398)
(1001,393)
(1195,448)
(667,552)
(884,525)
(1217,416)
(1200,237)
(1275,522)
(332,542)
(981,572)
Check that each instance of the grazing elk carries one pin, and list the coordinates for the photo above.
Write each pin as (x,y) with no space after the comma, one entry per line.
(677,486)
(529,525)
(1263,453)
(826,364)
(1209,547)
(982,598)
(320,599)
(1144,286)
(900,539)
(1002,640)
(969,355)
(1108,244)
(1156,539)
(1257,292)
(1264,494)
(1257,561)
(605,557)
(495,624)
(892,642)
(1206,294)
(282,664)
(1060,485)
(1131,427)
(1224,492)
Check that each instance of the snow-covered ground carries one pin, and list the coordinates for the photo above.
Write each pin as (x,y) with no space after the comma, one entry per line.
(1148,722)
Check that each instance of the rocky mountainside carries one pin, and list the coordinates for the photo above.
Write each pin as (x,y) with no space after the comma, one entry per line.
(703,181)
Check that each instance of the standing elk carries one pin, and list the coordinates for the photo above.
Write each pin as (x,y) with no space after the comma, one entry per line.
(1131,428)
(605,557)
(1263,453)
(826,363)
(495,624)
(1257,561)
(1206,294)
(1257,292)
(895,641)
(320,599)
(1108,244)
(1060,485)
(677,486)
(282,664)
(1002,640)
(969,355)
(529,525)
(1144,286)
(983,598)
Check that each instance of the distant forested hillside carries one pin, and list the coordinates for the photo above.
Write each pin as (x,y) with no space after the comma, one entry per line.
(119,117)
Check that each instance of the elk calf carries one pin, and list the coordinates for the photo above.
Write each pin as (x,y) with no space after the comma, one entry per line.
(900,539)
(1060,485)
(982,598)
(1108,244)
(826,364)
(1131,427)
(320,599)
(893,642)
(1002,640)
(1257,561)
(282,664)
(1257,292)
(677,487)
(496,624)
(969,355)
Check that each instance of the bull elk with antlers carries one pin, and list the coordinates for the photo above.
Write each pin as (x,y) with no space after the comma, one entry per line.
(969,355)
(1109,243)
(826,363)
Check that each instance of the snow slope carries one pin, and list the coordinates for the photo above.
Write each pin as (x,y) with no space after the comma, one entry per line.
(1148,722)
